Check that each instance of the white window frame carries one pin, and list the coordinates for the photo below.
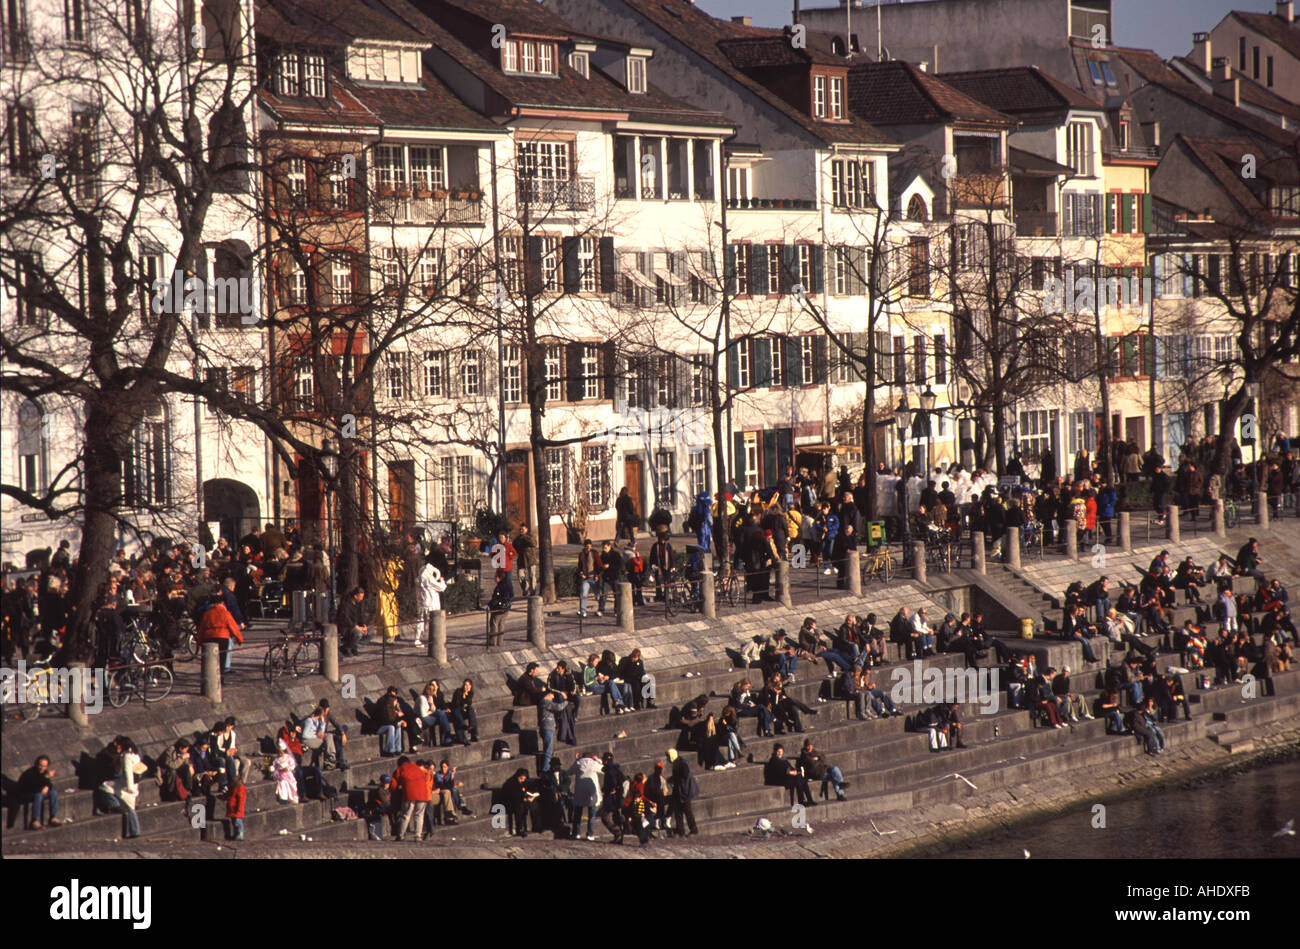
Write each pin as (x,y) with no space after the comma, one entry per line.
(471,372)
(742,364)
(777,363)
(288,75)
(699,471)
(512,377)
(435,374)
(554,368)
(819,96)
(341,282)
(313,75)
(807,360)
(580,63)
(636,75)
(590,371)
(666,478)
(837,97)
(397,376)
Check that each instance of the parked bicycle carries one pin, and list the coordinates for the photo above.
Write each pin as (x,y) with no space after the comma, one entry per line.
(298,654)
(152,681)
(878,565)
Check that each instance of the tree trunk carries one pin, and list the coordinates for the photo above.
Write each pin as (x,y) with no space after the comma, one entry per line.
(348,568)
(721,536)
(1232,411)
(869,432)
(103,502)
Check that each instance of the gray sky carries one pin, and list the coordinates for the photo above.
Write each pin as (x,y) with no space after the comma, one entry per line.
(1163,25)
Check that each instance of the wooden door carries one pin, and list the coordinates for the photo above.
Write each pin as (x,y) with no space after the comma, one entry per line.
(1135,431)
(401,495)
(633,478)
(517,492)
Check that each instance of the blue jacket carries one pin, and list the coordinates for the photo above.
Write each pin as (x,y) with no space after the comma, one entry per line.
(1106,500)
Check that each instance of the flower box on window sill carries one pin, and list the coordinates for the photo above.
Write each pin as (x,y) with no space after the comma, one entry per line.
(394,193)
(423,193)
(469,195)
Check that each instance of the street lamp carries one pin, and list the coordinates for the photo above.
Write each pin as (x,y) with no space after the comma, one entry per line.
(927,406)
(330,462)
(903,419)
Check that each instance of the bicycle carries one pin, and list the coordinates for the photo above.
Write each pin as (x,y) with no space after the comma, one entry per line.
(1229,513)
(38,688)
(187,643)
(679,595)
(152,681)
(142,646)
(295,653)
(730,586)
(879,566)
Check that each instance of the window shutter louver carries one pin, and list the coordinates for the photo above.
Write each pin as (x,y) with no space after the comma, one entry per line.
(572,266)
(794,361)
(761,361)
(608,265)
(758,270)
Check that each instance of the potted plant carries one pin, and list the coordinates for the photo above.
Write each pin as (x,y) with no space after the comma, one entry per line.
(424,192)
(440,193)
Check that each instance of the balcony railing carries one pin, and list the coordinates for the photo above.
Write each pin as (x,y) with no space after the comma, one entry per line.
(433,208)
(772,204)
(1133,151)
(1036,223)
(543,194)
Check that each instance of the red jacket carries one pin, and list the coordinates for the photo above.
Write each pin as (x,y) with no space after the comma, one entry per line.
(235,801)
(217,623)
(412,781)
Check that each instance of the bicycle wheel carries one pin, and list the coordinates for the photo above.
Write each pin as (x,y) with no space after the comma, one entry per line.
(38,695)
(670,600)
(306,659)
(276,661)
(733,589)
(187,646)
(155,682)
(120,688)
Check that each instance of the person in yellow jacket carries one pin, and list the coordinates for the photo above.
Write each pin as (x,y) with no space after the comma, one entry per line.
(388,620)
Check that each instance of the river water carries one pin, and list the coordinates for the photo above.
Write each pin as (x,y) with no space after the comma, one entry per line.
(1233,815)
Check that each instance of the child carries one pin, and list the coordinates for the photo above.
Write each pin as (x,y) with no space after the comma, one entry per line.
(236,798)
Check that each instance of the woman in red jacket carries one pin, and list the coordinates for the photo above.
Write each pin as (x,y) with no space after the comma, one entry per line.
(638,809)
(236,798)
(218,626)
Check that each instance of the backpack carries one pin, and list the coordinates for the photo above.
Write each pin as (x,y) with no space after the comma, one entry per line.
(501,750)
(343,813)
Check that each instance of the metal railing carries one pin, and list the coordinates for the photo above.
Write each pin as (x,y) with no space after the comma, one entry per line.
(1036,223)
(568,194)
(432,208)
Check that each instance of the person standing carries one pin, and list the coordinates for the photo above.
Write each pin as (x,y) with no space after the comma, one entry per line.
(586,773)
(125,788)
(527,552)
(217,625)
(431,586)
(410,779)
(625,515)
(236,799)
(684,790)
(503,596)
(611,570)
(548,713)
(588,574)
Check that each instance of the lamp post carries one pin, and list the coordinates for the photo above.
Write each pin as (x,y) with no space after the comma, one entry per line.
(903,419)
(330,461)
(927,407)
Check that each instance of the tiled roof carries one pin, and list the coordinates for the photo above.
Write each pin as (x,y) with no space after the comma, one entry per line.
(331,20)
(898,93)
(776,49)
(706,36)
(429,105)
(1156,71)
(1222,158)
(1017,89)
(568,89)
(1035,165)
(1252,92)
(1286,35)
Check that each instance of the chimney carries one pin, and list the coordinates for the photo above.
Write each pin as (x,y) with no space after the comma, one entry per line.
(1286,10)
(1224,85)
(1200,57)
(795,17)
(743,20)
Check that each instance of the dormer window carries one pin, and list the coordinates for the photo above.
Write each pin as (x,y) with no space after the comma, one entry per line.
(300,74)
(819,96)
(1284,201)
(578,62)
(530,57)
(1123,136)
(636,74)
(837,98)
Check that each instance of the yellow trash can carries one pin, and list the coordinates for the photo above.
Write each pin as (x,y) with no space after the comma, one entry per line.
(1026,628)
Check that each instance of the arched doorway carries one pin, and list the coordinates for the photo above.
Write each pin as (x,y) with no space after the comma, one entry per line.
(233,505)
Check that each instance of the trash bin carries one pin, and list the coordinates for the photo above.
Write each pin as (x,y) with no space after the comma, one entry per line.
(1026,628)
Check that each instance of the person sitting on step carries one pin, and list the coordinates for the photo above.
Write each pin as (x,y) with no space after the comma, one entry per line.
(779,772)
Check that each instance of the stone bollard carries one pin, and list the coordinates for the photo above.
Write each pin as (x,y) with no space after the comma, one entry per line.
(706,561)
(977,538)
(438,637)
(918,560)
(1125,532)
(1261,508)
(623,607)
(1220,525)
(1071,539)
(1171,523)
(536,622)
(1013,547)
(77,703)
(708,595)
(329,653)
(852,564)
(212,672)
